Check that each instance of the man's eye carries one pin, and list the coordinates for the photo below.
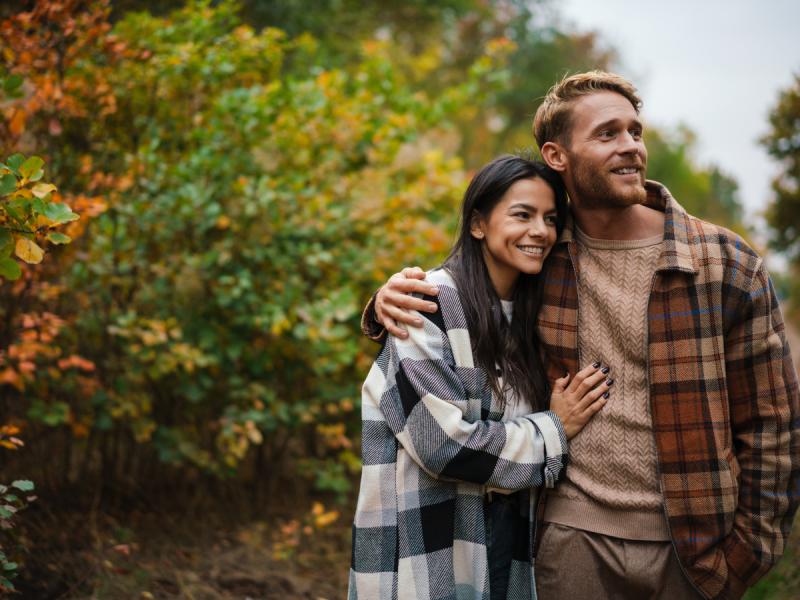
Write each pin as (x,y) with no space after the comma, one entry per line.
(521,215)
(636,133)
(606,134)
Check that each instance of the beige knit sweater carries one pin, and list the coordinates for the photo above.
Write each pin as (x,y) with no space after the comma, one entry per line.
(611,484)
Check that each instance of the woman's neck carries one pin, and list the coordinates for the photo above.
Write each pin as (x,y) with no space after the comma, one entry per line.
(503,278)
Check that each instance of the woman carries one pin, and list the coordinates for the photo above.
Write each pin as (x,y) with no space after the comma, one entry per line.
(456,440)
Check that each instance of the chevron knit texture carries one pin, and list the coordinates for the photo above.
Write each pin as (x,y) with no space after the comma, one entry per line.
(619,498)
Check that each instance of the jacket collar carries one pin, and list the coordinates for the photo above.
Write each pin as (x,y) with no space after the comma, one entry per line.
(678,253)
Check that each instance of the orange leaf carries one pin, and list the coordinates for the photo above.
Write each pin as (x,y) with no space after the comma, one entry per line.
(11,377)
(77,362)
(17,123)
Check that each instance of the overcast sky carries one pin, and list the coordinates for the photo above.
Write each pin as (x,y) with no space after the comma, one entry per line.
(716,65)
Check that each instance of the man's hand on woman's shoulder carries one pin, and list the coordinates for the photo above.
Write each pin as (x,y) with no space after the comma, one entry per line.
(394,303)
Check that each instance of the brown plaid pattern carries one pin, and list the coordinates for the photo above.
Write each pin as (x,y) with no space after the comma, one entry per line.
(723,394)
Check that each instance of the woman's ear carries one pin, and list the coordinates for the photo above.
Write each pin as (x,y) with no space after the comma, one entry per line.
(476,225)
(555,156)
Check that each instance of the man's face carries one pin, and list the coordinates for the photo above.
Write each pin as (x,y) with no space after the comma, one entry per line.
(606,157)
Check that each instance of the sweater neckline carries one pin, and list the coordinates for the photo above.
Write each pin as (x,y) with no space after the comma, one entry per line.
(600,244)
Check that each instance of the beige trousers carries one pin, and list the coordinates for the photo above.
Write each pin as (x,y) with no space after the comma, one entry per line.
(573,564)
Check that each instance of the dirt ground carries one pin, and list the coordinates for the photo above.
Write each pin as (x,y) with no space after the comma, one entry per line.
(206,556)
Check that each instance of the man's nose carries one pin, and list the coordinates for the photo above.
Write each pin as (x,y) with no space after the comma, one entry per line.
(629,144)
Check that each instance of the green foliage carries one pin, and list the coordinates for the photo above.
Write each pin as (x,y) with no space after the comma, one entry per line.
(27,213)
(249,189)
(544,52)
(783,214)
(247,222)
(256,188)
(704,192)
(783,144)
(13,499)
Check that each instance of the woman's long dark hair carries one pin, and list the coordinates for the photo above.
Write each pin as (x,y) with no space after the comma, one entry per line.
(512,349)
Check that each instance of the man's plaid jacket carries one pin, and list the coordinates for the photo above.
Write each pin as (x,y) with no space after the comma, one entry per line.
(723,395)
(432,442)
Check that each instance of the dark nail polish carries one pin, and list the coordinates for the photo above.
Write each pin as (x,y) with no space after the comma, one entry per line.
(605,370)
(595,365)
(609,381)
(606,395)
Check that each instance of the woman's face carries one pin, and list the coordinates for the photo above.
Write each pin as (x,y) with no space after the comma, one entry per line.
(519,232)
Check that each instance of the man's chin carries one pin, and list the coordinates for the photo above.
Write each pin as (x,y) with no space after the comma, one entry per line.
(633,194)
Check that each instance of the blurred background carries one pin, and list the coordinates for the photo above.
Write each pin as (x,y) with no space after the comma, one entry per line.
(197,200)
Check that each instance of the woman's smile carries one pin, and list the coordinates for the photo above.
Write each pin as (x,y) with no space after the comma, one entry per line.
(534,251)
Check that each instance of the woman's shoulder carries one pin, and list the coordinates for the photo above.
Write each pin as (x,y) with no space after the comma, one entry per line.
(440,276)
(450,314)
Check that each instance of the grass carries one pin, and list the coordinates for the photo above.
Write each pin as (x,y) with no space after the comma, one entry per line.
(783,582)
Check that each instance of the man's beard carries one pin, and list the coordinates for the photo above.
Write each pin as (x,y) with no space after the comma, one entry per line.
(595,189)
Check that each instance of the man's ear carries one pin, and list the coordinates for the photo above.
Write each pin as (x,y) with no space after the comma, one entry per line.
(555,156)
(476,225)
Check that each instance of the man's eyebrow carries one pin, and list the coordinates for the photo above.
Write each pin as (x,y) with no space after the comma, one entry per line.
(613,122)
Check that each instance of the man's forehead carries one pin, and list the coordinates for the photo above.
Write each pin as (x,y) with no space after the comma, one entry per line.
(601,106)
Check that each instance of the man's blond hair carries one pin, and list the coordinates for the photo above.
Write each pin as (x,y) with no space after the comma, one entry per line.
(552,122)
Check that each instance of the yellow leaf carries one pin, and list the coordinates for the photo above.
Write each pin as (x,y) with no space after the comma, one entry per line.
(325,519)
(29,251)
(40,190)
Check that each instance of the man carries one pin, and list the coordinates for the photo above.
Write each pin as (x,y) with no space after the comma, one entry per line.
(699,499)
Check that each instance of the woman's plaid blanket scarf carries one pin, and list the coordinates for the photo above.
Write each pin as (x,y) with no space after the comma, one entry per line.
(432,442)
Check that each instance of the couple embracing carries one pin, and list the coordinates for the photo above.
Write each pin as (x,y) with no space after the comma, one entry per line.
(589,399)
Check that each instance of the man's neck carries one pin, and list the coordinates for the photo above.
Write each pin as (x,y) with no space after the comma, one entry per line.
(635,222)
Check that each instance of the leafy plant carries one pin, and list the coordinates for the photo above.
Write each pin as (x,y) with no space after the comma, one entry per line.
(13,499)
(29,214)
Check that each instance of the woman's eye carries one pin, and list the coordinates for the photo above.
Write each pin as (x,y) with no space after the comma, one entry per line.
(550,219)
(521,215)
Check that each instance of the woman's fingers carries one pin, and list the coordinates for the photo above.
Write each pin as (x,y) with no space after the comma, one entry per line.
(561,383)
(595,406)
(586,378)
(590,382)
(595,398)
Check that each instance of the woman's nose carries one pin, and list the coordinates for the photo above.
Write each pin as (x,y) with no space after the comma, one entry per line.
(537,228)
